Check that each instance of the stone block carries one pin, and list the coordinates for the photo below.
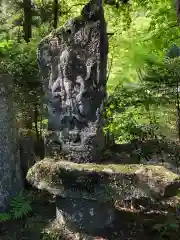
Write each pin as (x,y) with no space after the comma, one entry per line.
(84,215)
(73,63)
(85,193)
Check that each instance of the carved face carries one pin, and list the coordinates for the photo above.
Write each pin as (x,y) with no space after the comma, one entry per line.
(91,10)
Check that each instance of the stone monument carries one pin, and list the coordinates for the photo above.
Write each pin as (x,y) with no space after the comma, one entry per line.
(73,61)
(10,172)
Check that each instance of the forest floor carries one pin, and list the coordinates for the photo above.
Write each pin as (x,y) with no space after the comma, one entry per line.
(130,224)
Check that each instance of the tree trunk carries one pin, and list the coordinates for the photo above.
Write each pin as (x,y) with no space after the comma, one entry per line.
(36,114)
(27,20)
(109,139)
(26,121)
(178,111)
(178,10)
(55,14)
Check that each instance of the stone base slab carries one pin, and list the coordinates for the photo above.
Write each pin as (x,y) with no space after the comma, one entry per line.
(103,182)
(84,215)
(61,232)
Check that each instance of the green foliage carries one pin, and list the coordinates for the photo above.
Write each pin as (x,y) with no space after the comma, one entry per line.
(5,217)
(137,110)
(19,60)
(5,46)
(138,77)
(169,228)
(19,208)
(48,236)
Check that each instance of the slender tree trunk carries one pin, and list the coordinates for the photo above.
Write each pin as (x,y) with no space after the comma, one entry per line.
(27,27)
(109,139)
(178,10)
(55,14)
(27,20)
(178,111)
(36,114)
(41,119)
(19,35)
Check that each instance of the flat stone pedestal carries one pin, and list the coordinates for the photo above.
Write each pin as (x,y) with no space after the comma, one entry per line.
(84,215)
(85,192)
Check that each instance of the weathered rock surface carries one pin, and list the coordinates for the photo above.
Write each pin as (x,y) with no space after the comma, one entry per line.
(103,182)
(10,173)
(73,61)
(61,232)
(85,193)
(84,215)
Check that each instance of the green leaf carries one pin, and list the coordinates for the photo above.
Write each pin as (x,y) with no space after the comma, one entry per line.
(174,225)
(5,217)
(20,207)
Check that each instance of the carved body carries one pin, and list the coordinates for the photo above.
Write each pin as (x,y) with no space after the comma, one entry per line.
(73,64)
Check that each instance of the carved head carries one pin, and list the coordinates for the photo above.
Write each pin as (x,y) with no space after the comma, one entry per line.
(92,10)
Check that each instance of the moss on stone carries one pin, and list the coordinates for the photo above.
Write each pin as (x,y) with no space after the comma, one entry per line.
(113,168)
(100,180)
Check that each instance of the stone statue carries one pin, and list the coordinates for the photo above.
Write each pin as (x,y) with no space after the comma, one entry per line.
(73,61)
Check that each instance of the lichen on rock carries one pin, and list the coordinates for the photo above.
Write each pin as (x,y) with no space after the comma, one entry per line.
(103,182)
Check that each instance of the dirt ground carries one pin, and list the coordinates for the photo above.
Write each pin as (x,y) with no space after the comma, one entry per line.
(130,224)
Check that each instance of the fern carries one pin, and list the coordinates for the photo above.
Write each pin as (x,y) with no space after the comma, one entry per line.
(19,206)
(5,217)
